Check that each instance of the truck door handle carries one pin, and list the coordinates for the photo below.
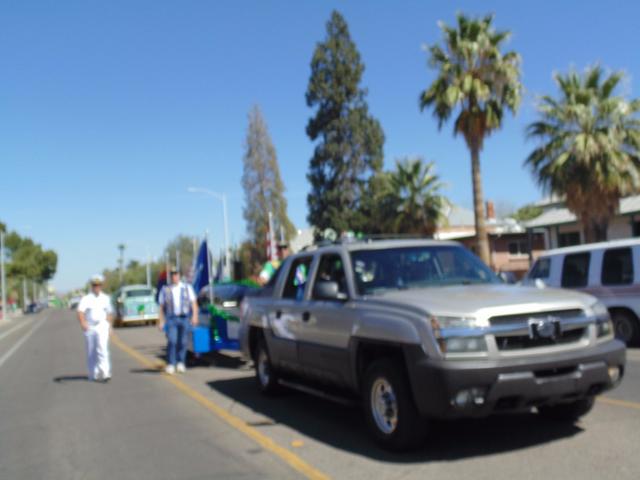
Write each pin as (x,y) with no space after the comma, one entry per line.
(306,316)
(278,313)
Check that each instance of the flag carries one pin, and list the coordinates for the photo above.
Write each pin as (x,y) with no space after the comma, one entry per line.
(201,268)
(162,281)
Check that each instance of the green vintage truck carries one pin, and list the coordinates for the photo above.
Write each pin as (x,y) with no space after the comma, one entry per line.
(135,304)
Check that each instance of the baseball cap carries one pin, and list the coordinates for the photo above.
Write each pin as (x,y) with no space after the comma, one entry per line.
(97,279)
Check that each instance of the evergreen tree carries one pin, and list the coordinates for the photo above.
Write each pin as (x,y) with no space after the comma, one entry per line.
(263,188)
(348,151)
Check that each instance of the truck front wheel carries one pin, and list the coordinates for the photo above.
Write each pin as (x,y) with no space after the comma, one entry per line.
(391,415)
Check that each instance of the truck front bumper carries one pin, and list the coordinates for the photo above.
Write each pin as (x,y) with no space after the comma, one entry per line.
(475,388)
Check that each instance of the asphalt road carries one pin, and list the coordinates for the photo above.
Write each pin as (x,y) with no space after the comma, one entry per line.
(54,424)
(211,423)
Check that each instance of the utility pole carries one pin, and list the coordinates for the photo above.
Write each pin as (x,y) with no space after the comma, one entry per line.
(273,251)
(121,247)
(178,261)
(3,281)
(148,270)
(24,294)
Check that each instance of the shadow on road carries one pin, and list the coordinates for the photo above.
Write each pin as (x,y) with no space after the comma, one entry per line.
(343,427)
(148,371)
(71,378)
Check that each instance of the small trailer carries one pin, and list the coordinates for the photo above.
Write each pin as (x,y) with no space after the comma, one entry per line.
(215,336)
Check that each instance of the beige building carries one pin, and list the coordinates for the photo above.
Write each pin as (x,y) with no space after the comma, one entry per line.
(560,227)
(508,239)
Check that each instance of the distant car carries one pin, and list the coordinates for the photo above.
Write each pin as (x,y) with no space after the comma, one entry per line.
(135,304)
(609,271)
(74,302)
(34,307)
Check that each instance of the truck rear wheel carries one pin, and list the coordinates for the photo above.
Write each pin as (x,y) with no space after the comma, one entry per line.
(568,411)
(266,377)
(391,415)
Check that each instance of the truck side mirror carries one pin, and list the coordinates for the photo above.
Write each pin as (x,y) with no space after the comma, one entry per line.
(325,290)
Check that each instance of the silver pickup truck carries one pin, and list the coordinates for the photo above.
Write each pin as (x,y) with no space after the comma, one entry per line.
(420,329)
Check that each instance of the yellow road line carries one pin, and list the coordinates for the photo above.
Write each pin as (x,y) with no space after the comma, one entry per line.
(263,440)
(619,403)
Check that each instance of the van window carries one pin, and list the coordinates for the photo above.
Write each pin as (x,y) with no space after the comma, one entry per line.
(297,278)
(617,267)
(575,270)
(541,268)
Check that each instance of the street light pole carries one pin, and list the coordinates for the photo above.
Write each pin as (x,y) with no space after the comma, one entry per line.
(222,197)
(3,282)
(148,270)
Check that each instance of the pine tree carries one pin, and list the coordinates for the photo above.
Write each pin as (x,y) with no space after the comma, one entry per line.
(348,151)
(263,188)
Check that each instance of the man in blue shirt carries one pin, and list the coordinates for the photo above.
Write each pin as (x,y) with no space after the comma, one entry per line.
(178,308)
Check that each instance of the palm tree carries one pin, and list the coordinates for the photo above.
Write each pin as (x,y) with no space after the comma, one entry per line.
(589,148)
(478,82)
(415,193)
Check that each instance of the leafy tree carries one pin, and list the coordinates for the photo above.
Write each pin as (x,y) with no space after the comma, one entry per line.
(349,140)
(415,192)
(478,82)
(185,245)
(527,212)
(26,260)
(589,147)
(263,188)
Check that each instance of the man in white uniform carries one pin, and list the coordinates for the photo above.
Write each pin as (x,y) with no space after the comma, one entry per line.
(95,314)
(178,308)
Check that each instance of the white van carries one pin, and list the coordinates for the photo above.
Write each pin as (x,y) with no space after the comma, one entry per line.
(607,270)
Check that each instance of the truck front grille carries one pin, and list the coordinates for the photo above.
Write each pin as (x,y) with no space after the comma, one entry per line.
(515,331)
(523,318)
(520,342)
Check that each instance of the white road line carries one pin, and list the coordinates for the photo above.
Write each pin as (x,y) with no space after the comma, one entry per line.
(14,328)
(19,343)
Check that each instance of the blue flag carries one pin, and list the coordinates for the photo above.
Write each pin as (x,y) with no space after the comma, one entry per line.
(201,268)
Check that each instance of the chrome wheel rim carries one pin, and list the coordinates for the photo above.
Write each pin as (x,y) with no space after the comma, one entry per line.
(263,368)
(384,406)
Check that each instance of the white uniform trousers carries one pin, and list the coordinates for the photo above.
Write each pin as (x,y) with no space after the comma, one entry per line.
(97,342)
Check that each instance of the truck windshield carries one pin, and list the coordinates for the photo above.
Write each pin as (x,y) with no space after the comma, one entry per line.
(417,267)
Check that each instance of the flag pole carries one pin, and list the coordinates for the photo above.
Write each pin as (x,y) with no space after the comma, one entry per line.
(209,267)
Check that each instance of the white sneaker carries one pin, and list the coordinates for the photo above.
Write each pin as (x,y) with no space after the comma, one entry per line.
(181,368)
(170,369)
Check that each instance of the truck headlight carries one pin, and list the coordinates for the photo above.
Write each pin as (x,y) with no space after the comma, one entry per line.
(445,322)
(464,344)
(604,325)
(459,334)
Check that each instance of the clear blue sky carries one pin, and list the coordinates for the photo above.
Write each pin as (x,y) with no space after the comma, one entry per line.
(110,110)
